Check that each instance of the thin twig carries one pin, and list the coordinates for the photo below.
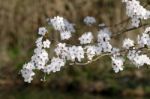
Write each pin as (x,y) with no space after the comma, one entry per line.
(123,51)
(129,29)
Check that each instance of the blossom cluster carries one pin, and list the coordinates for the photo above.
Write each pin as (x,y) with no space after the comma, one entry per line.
(63,26)
(40,57)
(90,46)
(136,11)
(144,39)
(86,38)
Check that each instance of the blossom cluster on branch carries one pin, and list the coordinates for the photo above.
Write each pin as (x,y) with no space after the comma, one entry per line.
(89,49)
(136,12)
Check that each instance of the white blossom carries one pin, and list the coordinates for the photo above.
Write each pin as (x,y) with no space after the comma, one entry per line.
(98,49)
(39,43)
(147,30)
(29,66)
(104,35)
(128,43)
(46,43)
(76,52)
(27,74)
(115,52)
(103,40)
(65,35)
(42,31)
(40,58)
(90,51)
(136,11)
(135,22)
(80,53)
(117,64)
(55,65)
(89,20)
(86,38)
(144,39)
(62,51)
(61,24)
(138,59)
(141,60)
(106,47)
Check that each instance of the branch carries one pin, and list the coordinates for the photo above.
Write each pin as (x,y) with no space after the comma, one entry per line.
(123,51)
(129,29)
(89,62)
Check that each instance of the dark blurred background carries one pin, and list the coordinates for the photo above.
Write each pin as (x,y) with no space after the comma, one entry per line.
(19,22)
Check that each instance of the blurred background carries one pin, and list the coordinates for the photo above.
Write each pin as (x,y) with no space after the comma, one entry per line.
(19,22)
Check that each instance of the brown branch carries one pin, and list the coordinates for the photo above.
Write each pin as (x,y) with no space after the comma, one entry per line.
(129,29)
(89,62)
(123,51)
(117,24)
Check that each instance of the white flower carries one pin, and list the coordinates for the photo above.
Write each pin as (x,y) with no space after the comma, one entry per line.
(127,43)
(104,35)
(40,58)
(106,46)
(27,74)
(62,51)
(147,30)
(115,52)
(79,53)
(136,12)
(103,40)
(29,66)
(141,60)
(58,23)
(46,43)
(98,49)
(65,35)
(117,64)
(72,52)
(37,50)
(144,39)
(76,52)
(90,51)
(39,42)
(61,24)
(55,65)
(132,54)
(86,38)
(42,31)
(135,22)
(137,59)
(89,20)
